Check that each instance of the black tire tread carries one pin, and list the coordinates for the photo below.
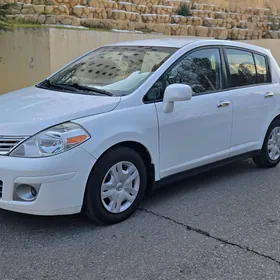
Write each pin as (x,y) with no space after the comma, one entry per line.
(262,160)
(97,172)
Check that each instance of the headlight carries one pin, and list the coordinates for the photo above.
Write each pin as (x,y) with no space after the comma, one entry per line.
(52,141)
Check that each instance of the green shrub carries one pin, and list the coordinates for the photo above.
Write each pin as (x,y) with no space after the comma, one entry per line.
(183,10)
(273,22)
(5,10)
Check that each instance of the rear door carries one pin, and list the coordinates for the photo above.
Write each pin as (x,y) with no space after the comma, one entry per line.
(252,95)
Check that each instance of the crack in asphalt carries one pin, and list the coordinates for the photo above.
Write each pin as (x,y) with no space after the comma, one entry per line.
(207,234)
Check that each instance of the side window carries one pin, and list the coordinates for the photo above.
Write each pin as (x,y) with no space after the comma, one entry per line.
(201,70)
(262,69)
(242,68)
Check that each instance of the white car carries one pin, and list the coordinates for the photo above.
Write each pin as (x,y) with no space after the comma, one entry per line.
(104,130)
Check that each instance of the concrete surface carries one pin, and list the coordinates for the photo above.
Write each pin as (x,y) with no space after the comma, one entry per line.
(29,55)
(24,58)
(223,224)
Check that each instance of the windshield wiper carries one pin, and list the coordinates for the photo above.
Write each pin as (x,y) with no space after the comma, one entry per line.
(97,90)
(48,83)
(73,87)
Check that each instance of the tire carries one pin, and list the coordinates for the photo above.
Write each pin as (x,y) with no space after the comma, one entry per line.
(105,179)
(265,158)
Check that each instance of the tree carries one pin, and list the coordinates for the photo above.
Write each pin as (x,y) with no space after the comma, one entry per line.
(5,10)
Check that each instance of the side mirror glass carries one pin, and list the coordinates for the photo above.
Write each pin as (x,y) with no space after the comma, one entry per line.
(174,93)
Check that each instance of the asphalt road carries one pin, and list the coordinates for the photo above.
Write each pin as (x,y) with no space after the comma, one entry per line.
(220,225)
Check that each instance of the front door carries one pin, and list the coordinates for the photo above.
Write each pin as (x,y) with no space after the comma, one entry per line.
(197,131)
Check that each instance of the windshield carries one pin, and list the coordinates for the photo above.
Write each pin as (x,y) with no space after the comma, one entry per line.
(114,70)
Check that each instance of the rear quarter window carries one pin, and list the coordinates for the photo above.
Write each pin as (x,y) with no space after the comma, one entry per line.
(263,71)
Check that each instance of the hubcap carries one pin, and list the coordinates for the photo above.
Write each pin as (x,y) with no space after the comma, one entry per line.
(120,187)
(273,146)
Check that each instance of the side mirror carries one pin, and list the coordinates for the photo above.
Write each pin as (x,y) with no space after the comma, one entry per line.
(173,93)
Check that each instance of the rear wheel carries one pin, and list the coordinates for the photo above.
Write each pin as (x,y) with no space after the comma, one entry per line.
(270,153)
(116,186)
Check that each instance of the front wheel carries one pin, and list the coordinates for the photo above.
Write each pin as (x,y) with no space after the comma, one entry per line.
(116,186)
(270,153)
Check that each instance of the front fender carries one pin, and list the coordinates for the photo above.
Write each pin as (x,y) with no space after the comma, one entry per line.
(138,124)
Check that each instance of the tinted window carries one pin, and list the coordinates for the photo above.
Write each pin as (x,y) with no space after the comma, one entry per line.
(242,69)
(200,69)
(262,69)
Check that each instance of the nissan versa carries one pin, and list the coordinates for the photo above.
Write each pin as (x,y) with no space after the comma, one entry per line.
(101,132)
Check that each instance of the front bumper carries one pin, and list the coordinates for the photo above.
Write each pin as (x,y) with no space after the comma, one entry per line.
(62,180)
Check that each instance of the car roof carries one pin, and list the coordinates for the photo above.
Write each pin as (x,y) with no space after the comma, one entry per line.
(173,42)
(180,42)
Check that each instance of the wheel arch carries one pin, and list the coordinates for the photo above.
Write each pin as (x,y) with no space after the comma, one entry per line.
(145,155)
(276,117)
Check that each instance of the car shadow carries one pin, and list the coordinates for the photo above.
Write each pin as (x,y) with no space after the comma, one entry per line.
(20,221)
(78,222)
(200,181)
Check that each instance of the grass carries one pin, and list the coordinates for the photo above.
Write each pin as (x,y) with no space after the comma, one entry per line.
(23,25)
(15,24)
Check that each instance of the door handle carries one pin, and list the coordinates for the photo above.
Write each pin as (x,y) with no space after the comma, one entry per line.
(223,104)
(269,94)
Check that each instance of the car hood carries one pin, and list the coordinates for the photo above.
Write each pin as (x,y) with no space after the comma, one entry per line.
(30,110)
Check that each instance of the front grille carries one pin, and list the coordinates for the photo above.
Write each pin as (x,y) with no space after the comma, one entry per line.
(1,188)
(8,143)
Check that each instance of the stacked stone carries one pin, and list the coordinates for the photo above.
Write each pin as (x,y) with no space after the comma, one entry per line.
(158,16)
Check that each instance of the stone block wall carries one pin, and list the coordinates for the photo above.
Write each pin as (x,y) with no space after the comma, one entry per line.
(273,4)
(160,16)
